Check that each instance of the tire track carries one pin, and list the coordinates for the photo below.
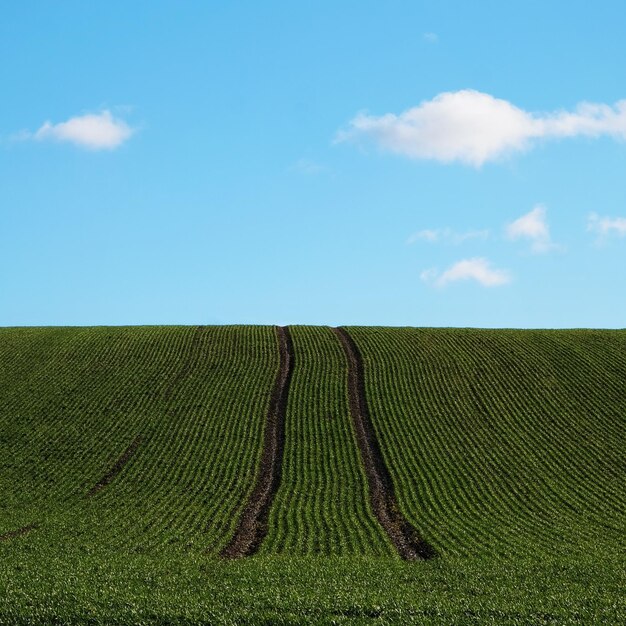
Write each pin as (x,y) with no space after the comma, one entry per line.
(401,532)
(13,534)
(116,469)
(252,526)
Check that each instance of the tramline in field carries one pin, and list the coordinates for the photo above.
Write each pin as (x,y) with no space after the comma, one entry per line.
(186,445)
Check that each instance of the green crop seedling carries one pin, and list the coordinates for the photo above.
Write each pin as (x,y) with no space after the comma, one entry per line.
(130,458)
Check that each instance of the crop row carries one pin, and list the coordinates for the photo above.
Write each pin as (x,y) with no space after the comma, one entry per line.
(496,442)
(322,504)
(502,442)
(72,415)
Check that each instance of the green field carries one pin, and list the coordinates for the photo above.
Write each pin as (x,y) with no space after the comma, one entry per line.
(129,455)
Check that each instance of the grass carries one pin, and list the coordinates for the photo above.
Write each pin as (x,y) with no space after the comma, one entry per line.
(104,588)
(506,451)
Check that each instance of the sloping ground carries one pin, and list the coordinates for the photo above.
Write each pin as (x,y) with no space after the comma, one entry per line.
(138,450)
(89,393)
(322,506)
(252,527)
(507,443)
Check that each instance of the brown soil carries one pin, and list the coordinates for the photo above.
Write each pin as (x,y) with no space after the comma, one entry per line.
(252,526)
(403,535)
(12,534)
(116,469)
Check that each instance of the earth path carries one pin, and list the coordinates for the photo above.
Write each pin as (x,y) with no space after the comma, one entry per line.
(116,469)
(403,535)
(252,525)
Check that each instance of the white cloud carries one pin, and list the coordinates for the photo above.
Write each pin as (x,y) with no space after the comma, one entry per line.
(474,127)
(94,131)
(605,226)
(534,226)
(430,37)
(478,269)
(446,234)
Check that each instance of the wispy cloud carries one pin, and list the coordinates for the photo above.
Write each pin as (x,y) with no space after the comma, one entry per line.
(431,235)
(307,166)
(606,226)
(534,227)
(474,127)
(447,235)
(93,131)
(430,37)
(477,269)
(429,275)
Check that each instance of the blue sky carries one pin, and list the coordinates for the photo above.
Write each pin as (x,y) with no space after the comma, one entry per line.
(389,163)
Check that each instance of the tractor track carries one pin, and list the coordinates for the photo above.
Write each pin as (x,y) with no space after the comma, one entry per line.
(117,467)
(401,532)
(252,525)
(13,534)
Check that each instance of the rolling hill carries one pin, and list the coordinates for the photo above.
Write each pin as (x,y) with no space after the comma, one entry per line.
(253,473)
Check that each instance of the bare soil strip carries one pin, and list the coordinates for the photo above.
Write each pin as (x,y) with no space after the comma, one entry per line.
(187,365)
(403,535)
(116,469)
(12,534)
(252,526)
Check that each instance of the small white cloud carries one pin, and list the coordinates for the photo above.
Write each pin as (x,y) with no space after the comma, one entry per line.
(606,226)
(474,127)
(430,37)
(534,226)
(94,131)
(477,269)
(446,234)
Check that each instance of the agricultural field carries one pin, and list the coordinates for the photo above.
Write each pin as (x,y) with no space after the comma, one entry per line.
(252,474)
